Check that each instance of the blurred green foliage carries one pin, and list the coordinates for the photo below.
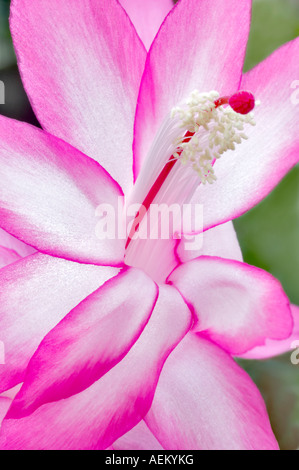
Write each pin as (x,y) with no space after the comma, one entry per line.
(274,22)
(7,56)
(278,381)
(269,233)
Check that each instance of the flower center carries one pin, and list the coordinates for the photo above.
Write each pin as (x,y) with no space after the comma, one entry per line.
(212,129)
(202,129)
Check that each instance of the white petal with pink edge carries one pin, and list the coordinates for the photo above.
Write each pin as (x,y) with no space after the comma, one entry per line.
(220,241)
(248,174)
(36,293)
(273,348)
(88,342)
(49,194)
(236,305)
(147,16)
(205,401)
(12,243)
(96,417)
(81,65)
(186,56)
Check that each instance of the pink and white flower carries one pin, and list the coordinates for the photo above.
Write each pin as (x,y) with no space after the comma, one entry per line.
(129,344)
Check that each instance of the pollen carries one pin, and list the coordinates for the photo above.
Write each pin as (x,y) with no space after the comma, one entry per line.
(210,127)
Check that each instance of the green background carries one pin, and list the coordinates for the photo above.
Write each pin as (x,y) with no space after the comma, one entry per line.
(268,234)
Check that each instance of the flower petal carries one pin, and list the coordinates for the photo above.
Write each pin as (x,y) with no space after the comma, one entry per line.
(4,405)
(5,401)
(155,256)
(11,392)
(81,77)
(273,348)
(247,175)
(205,401)
(49,193)
(36,293)
(139,438)
(236,305)
(7,257)
(12,243)
(185,55)
(96,417)
(88,342)
(147,16)
(220,241)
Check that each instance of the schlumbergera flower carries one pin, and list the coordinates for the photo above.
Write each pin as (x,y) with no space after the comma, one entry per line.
(130,343)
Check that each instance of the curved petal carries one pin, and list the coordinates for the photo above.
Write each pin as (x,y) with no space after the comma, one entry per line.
(155,256)
(247,175)
(11,392)
(96,417)
(236,305)
(220,241)
(4,405)
(273,348)
(88,342)
(13,244)
(147,16)
(205,401)
(139,438)
(7,257)
(201,45)
(5,401)
(81,77)
(49,194)
(36,293)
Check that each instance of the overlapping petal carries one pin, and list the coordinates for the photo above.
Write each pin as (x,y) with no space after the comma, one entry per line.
(4,405)
(236,305)
(220,241)
(147,16)
(5,401)
(205,401)
(7,257)
(246,175)
(186,56)
(138,438)
(36,293)
(88,342)
(13,244)
(81,64)
(49,194)
(273,348)
(96,417)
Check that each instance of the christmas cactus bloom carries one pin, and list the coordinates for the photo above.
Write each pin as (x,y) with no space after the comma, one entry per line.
(128,342)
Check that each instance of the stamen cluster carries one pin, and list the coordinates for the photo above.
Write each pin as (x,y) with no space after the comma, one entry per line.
(212,131)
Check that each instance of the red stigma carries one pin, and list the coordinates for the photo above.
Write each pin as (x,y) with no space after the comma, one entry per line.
(242,102)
